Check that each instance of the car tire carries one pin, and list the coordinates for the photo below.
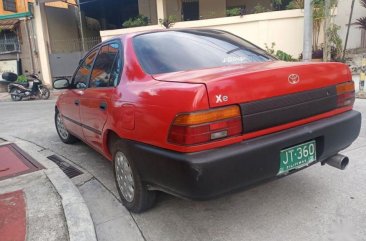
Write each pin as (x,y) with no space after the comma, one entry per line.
(62,132)
(139,198)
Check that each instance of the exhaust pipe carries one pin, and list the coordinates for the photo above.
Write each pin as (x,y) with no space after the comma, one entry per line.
(338,161)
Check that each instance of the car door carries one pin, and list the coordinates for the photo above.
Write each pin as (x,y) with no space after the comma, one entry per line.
(71,100)
(96,100)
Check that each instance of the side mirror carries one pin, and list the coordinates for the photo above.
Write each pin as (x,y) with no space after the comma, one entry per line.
(61,84)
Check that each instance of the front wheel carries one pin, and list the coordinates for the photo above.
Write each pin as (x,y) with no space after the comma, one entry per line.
(134,194)
(15,95)
(44,93)
(62,132)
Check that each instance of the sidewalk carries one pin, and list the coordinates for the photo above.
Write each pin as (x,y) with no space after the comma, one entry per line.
(37,200)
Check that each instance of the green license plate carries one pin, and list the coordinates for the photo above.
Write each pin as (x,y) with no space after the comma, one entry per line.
(297,156)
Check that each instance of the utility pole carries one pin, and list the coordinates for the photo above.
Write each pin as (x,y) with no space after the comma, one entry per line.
(308,31)
(349,26)
(81,27)
(327,47)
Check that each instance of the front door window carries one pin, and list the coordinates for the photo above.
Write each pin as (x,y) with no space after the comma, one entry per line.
(81,78)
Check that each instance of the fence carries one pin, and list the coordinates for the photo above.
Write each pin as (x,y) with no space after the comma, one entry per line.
(73,45)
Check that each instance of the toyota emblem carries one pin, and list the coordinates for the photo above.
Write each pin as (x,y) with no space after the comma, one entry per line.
(293,79)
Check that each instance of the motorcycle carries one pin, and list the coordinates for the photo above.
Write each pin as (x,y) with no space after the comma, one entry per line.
(32,88)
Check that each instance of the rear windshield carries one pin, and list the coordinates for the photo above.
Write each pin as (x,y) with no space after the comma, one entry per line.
(172,51)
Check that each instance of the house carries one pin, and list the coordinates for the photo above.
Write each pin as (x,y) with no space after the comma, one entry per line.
(261,22)
(41,36)
(15,44)
(189,10)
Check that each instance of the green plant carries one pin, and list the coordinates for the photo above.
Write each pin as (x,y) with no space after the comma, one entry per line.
(22,79)
(284,56)
(296,4)
(259,8)
(361,22)
(318,18)
(233,12)
(276,4)
(271,49)
(335,41)
(281,55)
(168,22)
(138,21)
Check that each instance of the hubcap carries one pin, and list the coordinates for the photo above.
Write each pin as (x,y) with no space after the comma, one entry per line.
(61,128)
(43,93)
(15,94)
(124,177)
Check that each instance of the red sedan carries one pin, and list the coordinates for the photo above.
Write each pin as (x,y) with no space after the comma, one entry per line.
(199,113)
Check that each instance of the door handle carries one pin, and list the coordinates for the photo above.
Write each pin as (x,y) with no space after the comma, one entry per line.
(103,106)
(77,102)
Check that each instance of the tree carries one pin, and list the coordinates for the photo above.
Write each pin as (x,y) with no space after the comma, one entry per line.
(361,22)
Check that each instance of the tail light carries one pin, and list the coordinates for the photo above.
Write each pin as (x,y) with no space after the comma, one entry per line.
(205,126)
(345,94)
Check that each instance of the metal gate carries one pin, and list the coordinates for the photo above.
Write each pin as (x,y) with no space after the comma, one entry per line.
(363,39)
(66,54)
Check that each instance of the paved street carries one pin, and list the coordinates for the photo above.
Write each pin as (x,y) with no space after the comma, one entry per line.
(319,203)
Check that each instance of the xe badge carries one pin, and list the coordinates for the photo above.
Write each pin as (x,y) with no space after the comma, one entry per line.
(221,98)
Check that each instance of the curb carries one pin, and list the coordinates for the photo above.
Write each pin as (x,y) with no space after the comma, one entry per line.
(79,222)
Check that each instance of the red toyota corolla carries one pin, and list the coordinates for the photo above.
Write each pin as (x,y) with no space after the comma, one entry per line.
(199,113)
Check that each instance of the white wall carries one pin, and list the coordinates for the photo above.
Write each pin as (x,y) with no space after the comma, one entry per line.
(285,28)
(344,9)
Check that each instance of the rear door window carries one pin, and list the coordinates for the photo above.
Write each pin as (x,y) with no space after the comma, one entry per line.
(81,78)
(172,51)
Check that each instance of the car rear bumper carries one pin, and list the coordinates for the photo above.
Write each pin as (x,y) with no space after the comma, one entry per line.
(204,175)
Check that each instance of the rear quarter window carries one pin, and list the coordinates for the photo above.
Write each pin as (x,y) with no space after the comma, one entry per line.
(172,51)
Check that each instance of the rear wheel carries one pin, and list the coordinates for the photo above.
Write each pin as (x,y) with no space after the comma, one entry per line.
(62,132)
(15,95)
(134,194)
(44,93)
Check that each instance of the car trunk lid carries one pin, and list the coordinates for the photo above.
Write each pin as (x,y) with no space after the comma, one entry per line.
(270,93)
(256,81)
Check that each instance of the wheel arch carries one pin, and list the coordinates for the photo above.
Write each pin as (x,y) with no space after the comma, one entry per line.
(110,137)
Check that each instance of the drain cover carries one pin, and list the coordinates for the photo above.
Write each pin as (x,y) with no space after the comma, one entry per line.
(14,161)
(69,170)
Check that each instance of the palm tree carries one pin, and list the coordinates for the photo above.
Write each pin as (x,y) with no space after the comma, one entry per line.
(361,22)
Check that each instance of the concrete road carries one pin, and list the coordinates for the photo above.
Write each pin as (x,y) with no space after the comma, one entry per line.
(319,203)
